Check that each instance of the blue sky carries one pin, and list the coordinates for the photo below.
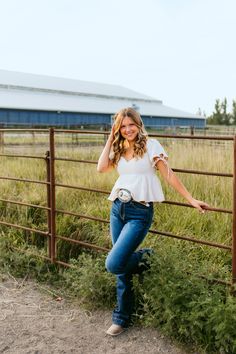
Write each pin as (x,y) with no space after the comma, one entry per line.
(182,52)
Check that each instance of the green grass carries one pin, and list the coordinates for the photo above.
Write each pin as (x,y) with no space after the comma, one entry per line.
(212,226)
(172,296)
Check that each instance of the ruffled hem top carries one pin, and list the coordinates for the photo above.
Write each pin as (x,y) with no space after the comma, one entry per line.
(138,175)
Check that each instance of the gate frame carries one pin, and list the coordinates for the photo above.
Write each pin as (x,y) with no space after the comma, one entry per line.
(51,185)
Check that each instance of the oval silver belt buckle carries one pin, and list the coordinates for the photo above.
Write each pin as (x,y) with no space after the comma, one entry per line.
(124,195)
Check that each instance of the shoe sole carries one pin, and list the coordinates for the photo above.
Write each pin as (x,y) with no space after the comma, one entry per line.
(115,334)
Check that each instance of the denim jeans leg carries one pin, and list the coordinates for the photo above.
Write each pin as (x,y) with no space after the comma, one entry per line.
(116,221)
(122,259)
(125,300)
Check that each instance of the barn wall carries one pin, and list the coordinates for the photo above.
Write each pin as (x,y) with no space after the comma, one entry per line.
(47,118)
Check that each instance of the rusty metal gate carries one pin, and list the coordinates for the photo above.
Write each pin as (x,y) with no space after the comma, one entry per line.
(51,185)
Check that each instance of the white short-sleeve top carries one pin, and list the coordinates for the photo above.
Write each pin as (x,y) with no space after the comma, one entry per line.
(138,175)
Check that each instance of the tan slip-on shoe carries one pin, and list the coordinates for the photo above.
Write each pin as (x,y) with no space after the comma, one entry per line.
(115,330)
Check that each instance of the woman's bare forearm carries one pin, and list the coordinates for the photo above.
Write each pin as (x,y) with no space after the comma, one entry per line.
(104,163)
(175,182)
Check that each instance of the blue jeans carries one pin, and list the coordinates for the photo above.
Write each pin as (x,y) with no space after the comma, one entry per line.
(129,224)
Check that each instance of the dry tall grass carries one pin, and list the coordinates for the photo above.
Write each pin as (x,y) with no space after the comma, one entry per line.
(185,154)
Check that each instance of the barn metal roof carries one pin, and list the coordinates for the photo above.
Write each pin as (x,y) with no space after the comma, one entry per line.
(37,92)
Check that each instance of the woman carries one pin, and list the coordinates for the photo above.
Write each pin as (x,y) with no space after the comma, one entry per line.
(136,159)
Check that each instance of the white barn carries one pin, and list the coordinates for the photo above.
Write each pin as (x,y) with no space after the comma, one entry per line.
(37,100)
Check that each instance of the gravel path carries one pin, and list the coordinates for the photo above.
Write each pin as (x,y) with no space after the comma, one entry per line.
(34,322)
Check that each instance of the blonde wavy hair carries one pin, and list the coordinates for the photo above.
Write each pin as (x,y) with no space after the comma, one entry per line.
(119,143)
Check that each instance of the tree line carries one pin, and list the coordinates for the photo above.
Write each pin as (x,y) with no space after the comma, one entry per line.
(221,115)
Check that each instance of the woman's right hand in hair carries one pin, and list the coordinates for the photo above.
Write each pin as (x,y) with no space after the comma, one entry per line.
(111,136)
(104,162)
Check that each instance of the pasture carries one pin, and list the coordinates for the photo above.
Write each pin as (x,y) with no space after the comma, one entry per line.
(177,264)
(183,154)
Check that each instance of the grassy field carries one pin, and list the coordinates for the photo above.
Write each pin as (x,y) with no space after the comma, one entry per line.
(186,154)
(172,297)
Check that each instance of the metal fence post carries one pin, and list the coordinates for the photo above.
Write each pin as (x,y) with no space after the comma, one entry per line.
(1,141)
(52,195)
(234,217)
(47,159)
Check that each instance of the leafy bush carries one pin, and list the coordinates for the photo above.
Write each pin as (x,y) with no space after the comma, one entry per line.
(24,263)
(185,306)
(88,279)
(179,303)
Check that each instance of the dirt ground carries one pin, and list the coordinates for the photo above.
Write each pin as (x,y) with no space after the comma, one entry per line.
(32,321)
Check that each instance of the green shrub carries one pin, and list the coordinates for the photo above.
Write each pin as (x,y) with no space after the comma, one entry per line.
(184,306)
(171,296)
(23,263)
(89,281)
